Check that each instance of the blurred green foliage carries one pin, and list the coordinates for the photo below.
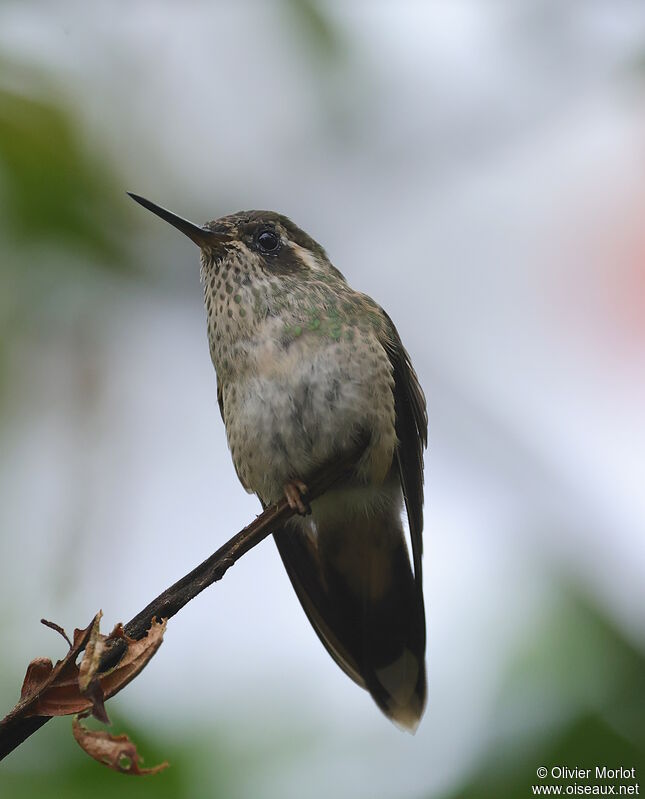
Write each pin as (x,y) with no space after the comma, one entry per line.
(316,28)
(575,697)
(56,190)
(598,724)
(56,767)
(63,226)
(51,189)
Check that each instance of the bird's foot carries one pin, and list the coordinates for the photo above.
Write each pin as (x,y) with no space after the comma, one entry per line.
(294,490)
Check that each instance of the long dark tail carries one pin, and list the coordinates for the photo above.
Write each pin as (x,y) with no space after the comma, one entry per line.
(355,583)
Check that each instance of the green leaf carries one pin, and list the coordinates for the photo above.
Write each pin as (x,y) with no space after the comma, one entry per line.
(54,190)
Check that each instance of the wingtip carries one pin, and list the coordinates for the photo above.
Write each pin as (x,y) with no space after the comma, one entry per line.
(409,717)
(402,692)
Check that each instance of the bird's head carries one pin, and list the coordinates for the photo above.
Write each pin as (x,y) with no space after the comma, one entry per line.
(261,244)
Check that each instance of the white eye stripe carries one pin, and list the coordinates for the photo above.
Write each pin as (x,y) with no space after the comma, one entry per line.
(306,256)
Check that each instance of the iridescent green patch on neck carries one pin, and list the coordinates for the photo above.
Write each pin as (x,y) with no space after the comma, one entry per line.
(332,319)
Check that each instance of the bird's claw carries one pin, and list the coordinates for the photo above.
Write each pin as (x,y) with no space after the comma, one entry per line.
(294,490)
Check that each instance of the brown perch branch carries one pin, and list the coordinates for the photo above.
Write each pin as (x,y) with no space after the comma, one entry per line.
(16,729)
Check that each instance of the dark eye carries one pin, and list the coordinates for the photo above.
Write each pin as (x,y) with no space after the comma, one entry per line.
(268,241)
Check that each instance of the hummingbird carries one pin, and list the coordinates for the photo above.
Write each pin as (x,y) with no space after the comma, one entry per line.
(307,369)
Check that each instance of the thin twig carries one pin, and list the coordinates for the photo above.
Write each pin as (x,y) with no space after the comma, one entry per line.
(16,730)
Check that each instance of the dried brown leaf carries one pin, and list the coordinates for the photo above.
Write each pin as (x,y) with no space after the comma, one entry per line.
(37,673)
(50,685)
(88,681)
(56,690)
(92,656)
(114,751)
(135,658)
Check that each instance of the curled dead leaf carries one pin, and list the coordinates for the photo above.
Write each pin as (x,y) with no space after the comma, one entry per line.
(114,751)
(56,690)
(38,672)
(92,656)
(137,654)
(88,680)
(49,690)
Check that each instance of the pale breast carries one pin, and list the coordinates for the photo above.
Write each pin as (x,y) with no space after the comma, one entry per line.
(298,403)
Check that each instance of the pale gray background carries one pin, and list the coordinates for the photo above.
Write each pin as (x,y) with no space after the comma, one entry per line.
(477,169)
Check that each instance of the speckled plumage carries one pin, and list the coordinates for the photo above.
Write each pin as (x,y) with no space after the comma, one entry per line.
(301,372)
(307,368)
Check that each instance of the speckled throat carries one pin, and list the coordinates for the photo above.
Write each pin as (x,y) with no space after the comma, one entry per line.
(244,301)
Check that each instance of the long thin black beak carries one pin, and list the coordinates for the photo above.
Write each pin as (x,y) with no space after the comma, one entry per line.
(201,236)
